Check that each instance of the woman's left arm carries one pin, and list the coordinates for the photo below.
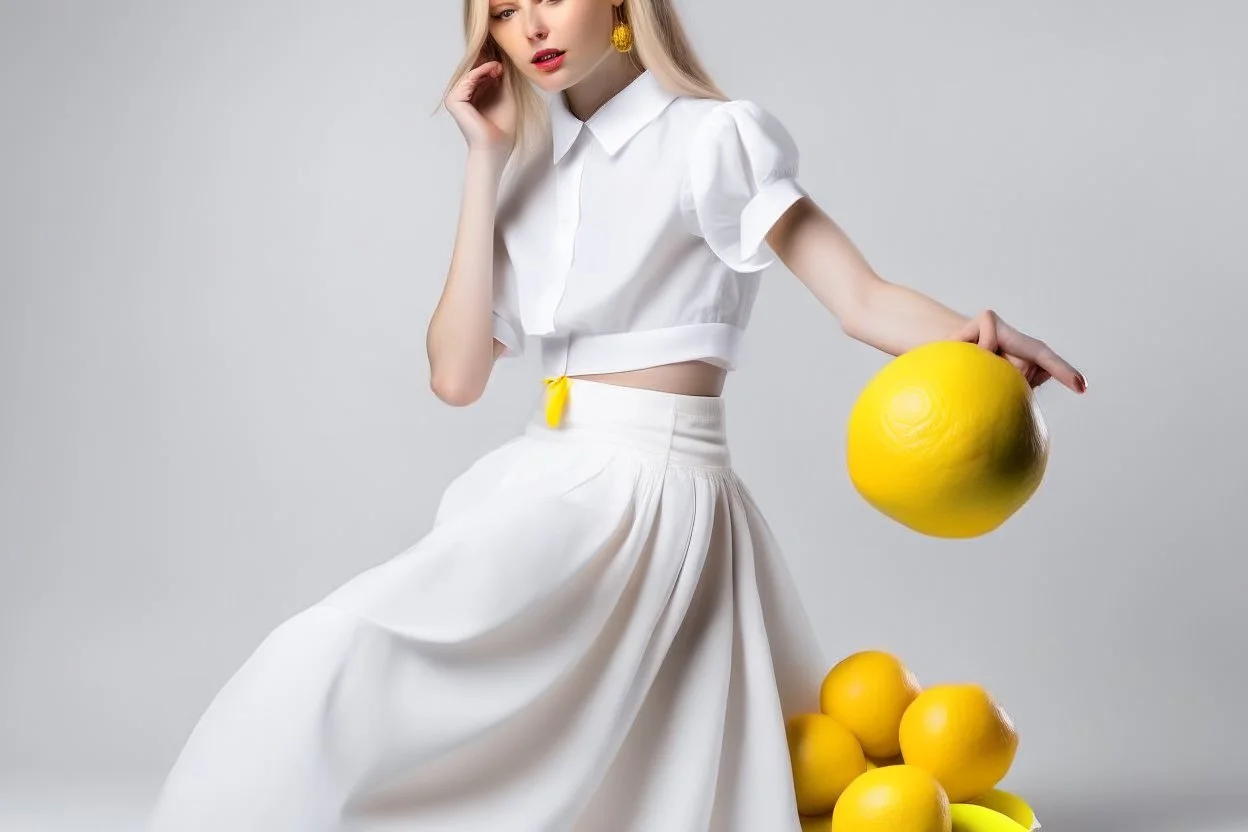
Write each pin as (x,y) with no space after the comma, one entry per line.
(891,317)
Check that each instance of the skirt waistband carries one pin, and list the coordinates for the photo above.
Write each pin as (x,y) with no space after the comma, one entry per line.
(687,429)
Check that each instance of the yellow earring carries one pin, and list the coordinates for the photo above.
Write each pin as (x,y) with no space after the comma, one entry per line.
(622,34)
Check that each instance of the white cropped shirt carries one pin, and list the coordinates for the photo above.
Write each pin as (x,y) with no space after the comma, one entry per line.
(643,242)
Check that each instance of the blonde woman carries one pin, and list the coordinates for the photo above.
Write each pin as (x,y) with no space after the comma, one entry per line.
(599,632)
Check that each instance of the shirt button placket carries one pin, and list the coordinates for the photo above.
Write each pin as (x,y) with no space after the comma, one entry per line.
(567,220)
(568,208)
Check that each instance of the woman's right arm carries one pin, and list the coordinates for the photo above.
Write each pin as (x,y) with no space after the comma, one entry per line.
(460,340)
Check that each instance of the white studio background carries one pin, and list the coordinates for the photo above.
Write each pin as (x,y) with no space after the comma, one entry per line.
(223,227)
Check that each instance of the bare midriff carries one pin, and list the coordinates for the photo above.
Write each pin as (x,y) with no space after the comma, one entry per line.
(689,378)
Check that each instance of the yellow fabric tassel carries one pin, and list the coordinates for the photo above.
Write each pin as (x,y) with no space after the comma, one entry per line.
(556,399)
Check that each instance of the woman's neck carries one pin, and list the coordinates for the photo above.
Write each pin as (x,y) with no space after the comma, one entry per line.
(613,74)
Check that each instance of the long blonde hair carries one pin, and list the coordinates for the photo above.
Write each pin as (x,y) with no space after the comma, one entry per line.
(659,44)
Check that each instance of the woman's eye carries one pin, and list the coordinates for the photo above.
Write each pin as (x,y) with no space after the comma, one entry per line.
(500,16)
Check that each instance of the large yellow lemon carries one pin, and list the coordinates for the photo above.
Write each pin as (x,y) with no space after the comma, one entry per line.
(825,757)
(868,692)
(962,736)
(892,799)
(948,440)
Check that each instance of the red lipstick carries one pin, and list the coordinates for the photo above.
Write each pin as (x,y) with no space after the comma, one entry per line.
(548,60)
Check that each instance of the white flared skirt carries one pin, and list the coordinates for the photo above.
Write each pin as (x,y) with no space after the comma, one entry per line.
(598,634)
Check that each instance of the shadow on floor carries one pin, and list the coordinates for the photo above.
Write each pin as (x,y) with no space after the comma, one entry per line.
(1147,814)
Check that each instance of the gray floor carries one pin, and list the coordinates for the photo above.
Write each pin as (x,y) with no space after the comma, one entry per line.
(1150,814)
(119,806)
(76,805)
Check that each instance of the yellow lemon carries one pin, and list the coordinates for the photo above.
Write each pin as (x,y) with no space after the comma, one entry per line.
(948,440)
(1008,804)
(962,736)
(825,758)
(970,817)
(892,799)
(868,692)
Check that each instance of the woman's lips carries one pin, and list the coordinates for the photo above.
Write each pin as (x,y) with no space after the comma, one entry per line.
(551,63)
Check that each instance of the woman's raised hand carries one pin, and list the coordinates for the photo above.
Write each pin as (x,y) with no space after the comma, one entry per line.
(1033,358)
(483,106)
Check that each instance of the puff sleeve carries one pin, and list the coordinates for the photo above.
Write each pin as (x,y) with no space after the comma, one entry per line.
(508,328)
(741,177)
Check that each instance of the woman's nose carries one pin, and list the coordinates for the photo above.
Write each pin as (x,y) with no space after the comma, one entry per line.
(534,26)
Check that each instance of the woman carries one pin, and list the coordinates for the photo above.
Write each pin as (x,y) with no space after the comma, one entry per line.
(599,631)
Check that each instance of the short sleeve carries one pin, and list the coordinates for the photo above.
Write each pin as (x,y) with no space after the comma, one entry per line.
(741,177)
(507,325)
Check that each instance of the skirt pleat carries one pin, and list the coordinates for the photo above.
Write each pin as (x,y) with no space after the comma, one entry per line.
(598,633)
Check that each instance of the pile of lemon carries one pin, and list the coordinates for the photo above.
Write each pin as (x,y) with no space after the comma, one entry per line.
(886,755)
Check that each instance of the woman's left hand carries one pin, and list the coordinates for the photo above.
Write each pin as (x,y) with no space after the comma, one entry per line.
(1033,358)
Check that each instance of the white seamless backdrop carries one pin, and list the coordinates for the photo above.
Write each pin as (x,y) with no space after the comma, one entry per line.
(223,227)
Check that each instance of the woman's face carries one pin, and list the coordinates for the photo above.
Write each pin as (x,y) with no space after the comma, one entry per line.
(579,29)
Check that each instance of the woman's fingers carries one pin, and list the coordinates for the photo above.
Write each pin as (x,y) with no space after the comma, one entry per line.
(1043,356)
(473,79)
(982,330)
(1036,360)
(1058,368)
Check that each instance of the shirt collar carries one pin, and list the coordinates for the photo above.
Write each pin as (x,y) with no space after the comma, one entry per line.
(616,121)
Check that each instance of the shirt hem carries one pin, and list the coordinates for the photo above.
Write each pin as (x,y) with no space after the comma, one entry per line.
(572,355)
